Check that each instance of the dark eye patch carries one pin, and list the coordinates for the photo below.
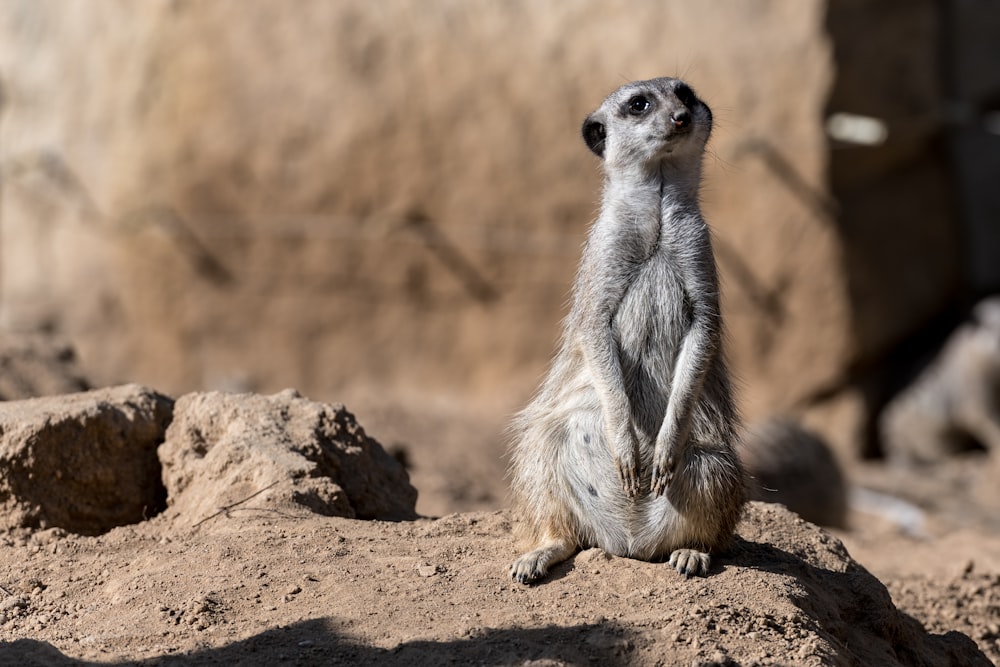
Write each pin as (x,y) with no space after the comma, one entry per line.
(638,105)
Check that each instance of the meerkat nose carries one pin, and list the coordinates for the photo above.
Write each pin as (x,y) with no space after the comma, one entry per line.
(680,118)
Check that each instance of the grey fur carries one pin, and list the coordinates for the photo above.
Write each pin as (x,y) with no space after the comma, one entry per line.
(789,464)
(629,443)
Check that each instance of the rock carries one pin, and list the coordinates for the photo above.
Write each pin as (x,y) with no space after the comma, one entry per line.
(84,462)
(228,161)
(838,607)
(895,194)
(222,449)
(170,181)
(37,364)
(793,466)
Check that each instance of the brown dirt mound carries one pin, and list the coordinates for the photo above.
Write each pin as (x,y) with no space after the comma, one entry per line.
(83,462)
(307,590)
(278,582)
(221,448)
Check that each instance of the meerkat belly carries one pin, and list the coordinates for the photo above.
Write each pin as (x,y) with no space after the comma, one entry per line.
(647,528)
(585,477)
(605,517)
(649,328)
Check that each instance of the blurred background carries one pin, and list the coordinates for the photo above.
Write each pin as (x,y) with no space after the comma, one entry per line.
(383,203)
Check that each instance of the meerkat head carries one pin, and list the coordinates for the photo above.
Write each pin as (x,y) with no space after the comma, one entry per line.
(649,121)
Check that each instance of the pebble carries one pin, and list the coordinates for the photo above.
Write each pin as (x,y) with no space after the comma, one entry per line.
(13,601)
(426,570)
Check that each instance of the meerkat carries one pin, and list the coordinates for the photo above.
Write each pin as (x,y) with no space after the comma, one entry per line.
(629,444)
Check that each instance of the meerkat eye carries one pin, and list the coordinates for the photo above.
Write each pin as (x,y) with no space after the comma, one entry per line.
(638,105)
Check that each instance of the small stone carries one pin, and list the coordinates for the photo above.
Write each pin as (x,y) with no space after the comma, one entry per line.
(13,602)
(426,570)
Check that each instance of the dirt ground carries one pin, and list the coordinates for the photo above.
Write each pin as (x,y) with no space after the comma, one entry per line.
(255,586)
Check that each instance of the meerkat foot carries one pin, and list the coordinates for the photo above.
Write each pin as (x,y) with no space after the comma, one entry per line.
(690,562)
(535,564)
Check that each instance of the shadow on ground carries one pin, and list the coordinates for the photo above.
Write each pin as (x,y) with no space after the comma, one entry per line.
(316,642)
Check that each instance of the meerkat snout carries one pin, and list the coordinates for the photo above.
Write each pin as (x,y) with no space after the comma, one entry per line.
(594,135)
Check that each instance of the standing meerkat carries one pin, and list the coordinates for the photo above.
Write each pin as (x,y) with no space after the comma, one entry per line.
(629,443)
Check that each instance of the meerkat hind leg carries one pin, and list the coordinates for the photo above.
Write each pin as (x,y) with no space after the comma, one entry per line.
(535,564)
(690,562)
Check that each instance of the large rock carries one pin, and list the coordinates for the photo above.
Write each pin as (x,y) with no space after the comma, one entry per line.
(898,194)
(83,462)
(395,192)
(277,452)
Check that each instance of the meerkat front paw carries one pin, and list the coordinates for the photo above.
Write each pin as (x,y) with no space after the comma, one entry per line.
(690,562)
(628,473)
(625,449)
(664,464)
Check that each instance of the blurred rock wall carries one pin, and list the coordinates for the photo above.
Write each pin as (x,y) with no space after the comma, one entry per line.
(392,196)
(918,214)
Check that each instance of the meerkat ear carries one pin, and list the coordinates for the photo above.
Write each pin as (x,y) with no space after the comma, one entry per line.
(594,133)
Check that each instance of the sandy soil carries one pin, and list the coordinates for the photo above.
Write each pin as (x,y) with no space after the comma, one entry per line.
(257,586)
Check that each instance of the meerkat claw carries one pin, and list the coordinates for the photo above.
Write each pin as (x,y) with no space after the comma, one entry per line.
(662,476)
(664,464)
(527,570)
(629,478)
(690,562)
(658,485)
